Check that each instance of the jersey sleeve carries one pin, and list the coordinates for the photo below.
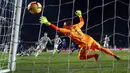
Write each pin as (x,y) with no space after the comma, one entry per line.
(61,30)
(81,23)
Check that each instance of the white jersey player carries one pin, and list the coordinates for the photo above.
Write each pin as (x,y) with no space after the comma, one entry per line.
(106,41)
(57,41)
(42,44)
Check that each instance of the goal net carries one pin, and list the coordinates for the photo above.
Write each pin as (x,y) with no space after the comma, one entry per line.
(9,27)
(102,17)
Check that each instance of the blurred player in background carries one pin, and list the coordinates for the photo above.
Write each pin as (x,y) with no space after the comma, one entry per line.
(30,50)
(57,40)
(62,46)
(20,49)
(106,42)
(41,44)
(73,47)
(6,47)
(84,41)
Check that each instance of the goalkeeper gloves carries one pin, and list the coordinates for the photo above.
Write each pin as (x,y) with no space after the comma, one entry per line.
(78,13)
(43,20)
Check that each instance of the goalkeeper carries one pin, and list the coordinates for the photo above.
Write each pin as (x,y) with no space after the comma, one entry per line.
(84,41)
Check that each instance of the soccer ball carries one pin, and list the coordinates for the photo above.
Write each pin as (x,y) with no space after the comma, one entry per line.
(34,7)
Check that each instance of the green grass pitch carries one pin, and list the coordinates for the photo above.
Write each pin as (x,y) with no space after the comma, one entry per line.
(64,63)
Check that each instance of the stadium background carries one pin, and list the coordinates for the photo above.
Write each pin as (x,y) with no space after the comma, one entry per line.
(30,29)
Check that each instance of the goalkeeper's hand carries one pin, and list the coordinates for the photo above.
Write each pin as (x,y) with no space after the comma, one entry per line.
(43,20)
(78,13)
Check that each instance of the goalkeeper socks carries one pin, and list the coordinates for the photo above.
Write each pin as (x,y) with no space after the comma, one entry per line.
(108,51)
(116,57)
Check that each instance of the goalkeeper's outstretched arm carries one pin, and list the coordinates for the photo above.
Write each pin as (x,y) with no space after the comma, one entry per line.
(79,14)
(43,20)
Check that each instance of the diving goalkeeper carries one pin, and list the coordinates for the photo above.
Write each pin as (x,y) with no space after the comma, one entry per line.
(84,41)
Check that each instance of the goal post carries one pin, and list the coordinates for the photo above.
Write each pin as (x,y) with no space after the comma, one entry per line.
(10,10)
(15,36)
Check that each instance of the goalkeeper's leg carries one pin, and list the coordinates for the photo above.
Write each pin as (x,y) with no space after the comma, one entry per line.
(84,55)
(105,50)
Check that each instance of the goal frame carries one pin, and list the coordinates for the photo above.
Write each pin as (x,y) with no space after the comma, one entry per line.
(14,37)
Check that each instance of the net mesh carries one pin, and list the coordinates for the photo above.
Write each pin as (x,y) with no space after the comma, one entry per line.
(105,17)
(6,21)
